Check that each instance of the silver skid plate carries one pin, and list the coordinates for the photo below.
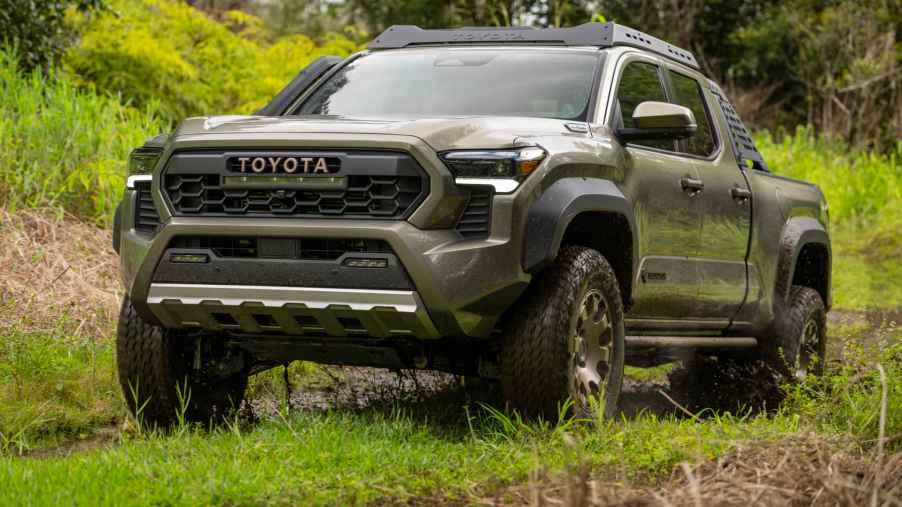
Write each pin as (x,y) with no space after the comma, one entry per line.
(292,311)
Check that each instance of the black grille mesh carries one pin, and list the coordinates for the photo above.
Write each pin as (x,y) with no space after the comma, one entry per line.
(475,221)
(147,219)
(370,196)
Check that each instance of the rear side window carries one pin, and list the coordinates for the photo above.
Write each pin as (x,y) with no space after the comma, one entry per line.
(688,93)
(640,82)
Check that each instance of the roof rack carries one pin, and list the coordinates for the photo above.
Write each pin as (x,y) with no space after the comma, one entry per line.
(601,35)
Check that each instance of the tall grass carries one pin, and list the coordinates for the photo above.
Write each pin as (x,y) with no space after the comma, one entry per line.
(64,147)
(860,187)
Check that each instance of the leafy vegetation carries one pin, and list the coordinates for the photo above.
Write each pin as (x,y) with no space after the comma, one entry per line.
(64,147)
(166,51)
(36,29)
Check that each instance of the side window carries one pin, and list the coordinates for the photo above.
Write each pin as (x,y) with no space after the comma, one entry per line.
(640,82)
(688,93)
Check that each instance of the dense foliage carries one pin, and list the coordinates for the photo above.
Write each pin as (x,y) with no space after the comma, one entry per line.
(149,50)
(833,64)
(64,147)
(37,28)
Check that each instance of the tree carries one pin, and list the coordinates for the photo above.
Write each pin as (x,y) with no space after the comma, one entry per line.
(37,30)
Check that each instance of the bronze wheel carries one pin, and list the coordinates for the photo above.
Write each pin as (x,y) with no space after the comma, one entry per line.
(591,345)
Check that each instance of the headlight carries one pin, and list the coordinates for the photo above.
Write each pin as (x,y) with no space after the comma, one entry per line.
(142,160)
(503,169)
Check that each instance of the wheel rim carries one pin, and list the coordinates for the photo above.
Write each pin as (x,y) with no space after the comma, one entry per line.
(808,348)
(591,345)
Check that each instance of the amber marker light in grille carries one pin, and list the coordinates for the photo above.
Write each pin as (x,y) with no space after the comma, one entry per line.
(360,262)
(189,258)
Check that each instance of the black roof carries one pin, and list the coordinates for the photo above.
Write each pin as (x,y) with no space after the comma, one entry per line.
(600,35)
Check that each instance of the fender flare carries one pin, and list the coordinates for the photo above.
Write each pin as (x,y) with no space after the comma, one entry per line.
(551,214)
(797,233)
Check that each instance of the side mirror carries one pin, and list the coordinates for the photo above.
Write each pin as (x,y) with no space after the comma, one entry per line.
(659,120)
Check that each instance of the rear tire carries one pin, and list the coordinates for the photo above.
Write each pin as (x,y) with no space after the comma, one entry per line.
(566,340)
(801,339)
(159,381)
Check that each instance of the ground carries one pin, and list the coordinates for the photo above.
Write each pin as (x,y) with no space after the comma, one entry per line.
(355,435)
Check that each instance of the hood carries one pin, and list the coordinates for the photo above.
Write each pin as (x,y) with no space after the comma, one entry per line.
(441,134)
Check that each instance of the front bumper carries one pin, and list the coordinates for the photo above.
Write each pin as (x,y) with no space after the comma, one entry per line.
(462,286)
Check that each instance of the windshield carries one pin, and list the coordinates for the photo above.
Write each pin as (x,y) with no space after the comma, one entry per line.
(532,82)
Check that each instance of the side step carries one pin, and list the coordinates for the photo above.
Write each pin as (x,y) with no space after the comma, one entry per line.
(693,342)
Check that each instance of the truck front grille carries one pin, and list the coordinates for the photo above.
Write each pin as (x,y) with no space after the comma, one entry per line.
(378,185)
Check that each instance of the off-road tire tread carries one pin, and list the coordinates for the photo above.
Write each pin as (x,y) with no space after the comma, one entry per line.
(535,357)
(150,364)
(803,303)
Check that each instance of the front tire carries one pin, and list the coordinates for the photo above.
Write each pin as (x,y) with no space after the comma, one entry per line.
(159,379)
(567,340)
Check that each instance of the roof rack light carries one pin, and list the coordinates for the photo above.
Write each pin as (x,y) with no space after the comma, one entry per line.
(600,35)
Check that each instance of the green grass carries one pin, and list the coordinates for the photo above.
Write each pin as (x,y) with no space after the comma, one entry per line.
(64,147)
(446,446)
(55,388)
(341,458)
(864,192)
(862,188)
(651,374)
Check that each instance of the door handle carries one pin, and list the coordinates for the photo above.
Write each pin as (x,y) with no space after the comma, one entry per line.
(741,194)
(691,185)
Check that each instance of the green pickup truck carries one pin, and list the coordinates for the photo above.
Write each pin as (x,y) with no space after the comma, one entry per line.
(535,206)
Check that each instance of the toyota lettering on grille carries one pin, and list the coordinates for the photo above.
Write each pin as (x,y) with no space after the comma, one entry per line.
(288,165)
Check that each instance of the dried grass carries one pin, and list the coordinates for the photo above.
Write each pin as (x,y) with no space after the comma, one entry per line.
(798,470)
(57,274)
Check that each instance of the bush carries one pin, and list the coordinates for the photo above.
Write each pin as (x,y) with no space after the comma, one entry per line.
(163,50)
(64,147)
(37,28)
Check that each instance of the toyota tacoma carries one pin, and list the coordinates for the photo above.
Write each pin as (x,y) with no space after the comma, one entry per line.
(534,206)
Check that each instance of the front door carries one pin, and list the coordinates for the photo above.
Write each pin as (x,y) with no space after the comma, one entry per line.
(668,213)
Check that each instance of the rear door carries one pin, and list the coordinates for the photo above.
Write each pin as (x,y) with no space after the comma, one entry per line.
(725,203)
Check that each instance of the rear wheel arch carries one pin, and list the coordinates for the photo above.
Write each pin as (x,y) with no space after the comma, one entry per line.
(587,212)
(812,269)
(805,259)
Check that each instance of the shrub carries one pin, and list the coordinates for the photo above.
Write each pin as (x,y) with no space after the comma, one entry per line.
(64,147)
(37,28)
(163,50)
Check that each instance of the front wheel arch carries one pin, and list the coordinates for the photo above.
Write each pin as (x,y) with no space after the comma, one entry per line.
(557,217)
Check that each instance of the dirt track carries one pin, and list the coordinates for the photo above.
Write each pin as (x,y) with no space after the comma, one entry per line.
(349,388)
(705,385)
